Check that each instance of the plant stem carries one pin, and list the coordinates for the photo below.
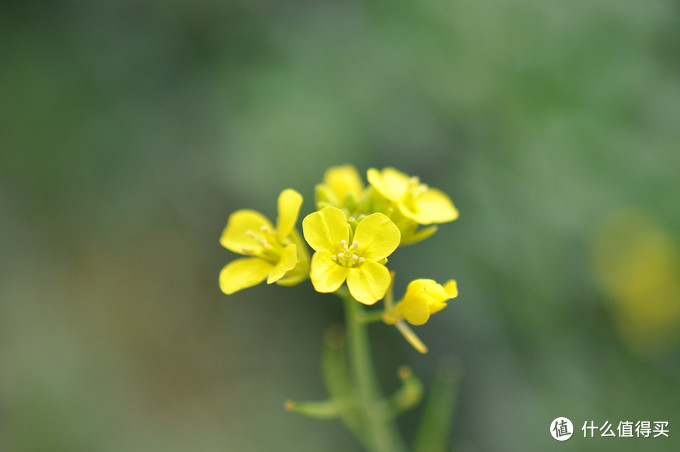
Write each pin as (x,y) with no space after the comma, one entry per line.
(381,430)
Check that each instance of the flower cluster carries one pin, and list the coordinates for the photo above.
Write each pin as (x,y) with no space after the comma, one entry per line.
(355,228)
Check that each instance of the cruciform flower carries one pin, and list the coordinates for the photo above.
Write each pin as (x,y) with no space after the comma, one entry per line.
(275,254)
(415,200)
(342,254)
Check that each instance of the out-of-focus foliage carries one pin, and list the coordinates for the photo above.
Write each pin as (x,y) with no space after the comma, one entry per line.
(130,130)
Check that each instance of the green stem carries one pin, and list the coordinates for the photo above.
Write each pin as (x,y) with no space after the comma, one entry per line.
(435,424)
(381,430)
(371,317)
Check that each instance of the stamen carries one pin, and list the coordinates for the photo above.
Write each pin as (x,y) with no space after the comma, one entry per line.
(247,251)
(265,230)
(414,180)
(266,245)
(348,258)
(251,234)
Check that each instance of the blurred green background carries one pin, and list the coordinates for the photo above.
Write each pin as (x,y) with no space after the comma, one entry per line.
(129,131)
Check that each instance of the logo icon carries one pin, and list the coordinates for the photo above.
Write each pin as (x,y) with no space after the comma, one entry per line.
(561,429)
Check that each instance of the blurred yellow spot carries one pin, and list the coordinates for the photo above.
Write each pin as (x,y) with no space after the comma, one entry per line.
(636,264)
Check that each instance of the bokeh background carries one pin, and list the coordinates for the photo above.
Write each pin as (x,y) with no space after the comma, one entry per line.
(130,130)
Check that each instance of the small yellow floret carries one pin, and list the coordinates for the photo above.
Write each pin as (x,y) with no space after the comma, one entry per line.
(423,298)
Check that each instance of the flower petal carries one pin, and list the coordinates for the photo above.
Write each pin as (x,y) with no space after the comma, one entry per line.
(425,294)
(243,273)
(302,250)
(433,206)
(417,236)
(289,208)
(416,288)
(435,307)
(324,229)
(326,275)
(301,270)
(286,262)
(343,180)
(415,312)
(451,288)
(390,182)
(296,275)
(324,196)
(235,237)
(435,292)
(368,282)
(378,237)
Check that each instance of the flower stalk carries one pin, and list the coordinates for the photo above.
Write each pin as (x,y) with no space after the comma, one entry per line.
(382,434)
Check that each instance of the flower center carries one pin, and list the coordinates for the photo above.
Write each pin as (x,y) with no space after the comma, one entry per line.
(265,244)
(348,257)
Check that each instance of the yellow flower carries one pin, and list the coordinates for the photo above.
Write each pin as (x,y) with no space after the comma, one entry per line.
(423,298)
(277,254)
(637,265)
(342,187)
(410,233)
(414,200)
(336,260)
